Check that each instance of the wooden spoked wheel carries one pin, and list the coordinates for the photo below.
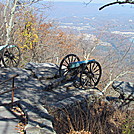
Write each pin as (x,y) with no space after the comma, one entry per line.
(90,75)
(64,69)
(11,56)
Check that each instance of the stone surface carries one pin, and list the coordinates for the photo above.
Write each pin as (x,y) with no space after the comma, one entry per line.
(39,119)
(43,70)
(36,99)
(8,121)
(126,89)
(9,72)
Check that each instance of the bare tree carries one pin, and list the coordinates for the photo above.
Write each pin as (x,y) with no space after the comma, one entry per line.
(11,7)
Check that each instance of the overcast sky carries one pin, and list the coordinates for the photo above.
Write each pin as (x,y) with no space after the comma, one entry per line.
(93,1)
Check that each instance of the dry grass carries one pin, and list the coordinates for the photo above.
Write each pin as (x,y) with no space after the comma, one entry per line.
(79,132)
(98,117)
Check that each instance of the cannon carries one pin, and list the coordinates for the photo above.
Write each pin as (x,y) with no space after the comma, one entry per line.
(9,55)
(84,73)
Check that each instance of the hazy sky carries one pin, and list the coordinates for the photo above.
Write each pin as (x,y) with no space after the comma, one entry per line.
(93,1)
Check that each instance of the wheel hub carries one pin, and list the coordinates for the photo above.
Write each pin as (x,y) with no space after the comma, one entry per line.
(9,55)
(90,75)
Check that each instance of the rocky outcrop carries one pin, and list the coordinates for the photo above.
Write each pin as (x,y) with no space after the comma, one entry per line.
(39,120)
(43,70)
(126,94)
(37,99)
(41,90)
(125,89)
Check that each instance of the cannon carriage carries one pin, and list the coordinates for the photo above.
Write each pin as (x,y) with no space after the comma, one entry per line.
(84,73)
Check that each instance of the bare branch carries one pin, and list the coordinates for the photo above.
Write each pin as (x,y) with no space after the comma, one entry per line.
(86,3)
(118,76)
(117,2)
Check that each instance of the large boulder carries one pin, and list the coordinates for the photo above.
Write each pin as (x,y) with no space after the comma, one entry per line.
(43,70)
(125,89)
(23,75)
(39,120)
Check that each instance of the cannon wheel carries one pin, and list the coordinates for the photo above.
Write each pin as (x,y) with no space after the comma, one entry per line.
(90,75)
(64,70)
(11,56)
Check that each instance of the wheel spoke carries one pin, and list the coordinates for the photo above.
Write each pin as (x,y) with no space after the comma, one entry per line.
(93,65)
(7,50)
(91,83)
(93,80)
(96,70)
(96,74)
(90,67)
(64,65)
(72,59)
(69,59)
(15,61)
(7,60)
(6,53)
(85,83)
(85,79)
(12,63)
(65,72)
(87,69)
(66,62)
(96,78)
(10,50)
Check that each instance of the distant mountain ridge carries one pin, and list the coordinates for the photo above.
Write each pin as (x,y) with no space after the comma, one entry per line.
(62,9)
(116,23)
